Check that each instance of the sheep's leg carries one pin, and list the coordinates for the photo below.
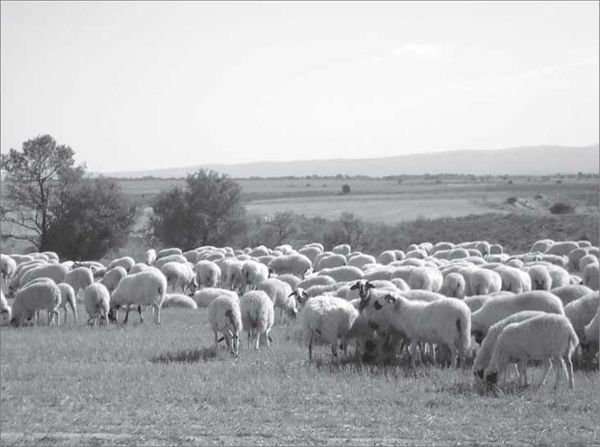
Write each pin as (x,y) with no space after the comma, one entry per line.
(267,339)
(570,372)
(142,318)
(257,335)
(310,343)
(216,339)
(65,319)
(546,370)
(249,338)
(413,353)
(522,371)
(333,351)
(126,319)
(562,368)
(453,355)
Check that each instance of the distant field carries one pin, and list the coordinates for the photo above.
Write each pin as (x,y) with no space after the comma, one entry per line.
(116,386)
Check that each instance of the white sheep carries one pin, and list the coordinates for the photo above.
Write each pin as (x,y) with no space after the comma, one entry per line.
(540,278)
(317,280)
(295,264)
(386,257)
(5,309)
(192,256)
(581,311)
(113,277)
(55,272)
(253,273)
(142,289)
(543,337)
(231,273)
(79,278)
(585,261)
(207,295)
(8,267)
(40,294)
(542,245)
(501,307)
(481,281)
(292,280)
(225,316)
(280,293)
(496,249)
(513,279)
(571,292)
(329,261)
(361,259)
(342,249)
(150,256)
(561,248)
(179,300)
(208,274)
(592,332)
(138,267)
(67,298)
(425,278)
(453,286)
(327,319)
(170,258)
(96,299)
(257,316)
(345,273)
(591,276)
(168,252)
(445,322)
(310,252)
(126,262)
(574,256)
(484,354)
(179,276)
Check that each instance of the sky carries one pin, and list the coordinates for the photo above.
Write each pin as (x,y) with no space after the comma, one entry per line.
(148,85)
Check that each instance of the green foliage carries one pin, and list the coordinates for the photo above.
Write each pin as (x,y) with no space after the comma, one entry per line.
(94,219)
(207,210)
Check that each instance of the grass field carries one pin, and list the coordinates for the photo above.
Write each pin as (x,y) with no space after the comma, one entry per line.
(163,385)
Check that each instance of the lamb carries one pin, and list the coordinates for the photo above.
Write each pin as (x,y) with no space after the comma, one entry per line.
(345,273)
(360,260)
(426,278)
(253,273)
(204,297)
(280,293)
(295,264)
(142,289)
(484,355)
(571,292)
(498,308)
(446,322)
(208,274)
(581,311)
(543,337)
(179,276)
(591,276)
(150,257)
(330,261)
(540,278)
(454,286)
(112,278)
(257,316)
(179,300)
(328,319)
(79,279)
(96,299)
(168,252)
(225,316)
(126,262)
(41,294)
(67,297)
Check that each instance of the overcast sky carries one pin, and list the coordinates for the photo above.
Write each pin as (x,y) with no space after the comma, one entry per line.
(153,85)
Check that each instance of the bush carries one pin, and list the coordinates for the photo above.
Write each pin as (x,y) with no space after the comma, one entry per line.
(511,200)
(346,188)
(562,208)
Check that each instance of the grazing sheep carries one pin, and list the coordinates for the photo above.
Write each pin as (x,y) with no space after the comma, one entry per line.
(586,260)
(561,248)
(142,289)
(581,311)
(295,264)
(540,278)
(345,273)
(292,280)
(280,293)
(342,249)
(55,272)
(257,316)
(231,273)
(179,300)
(574,256)
(96,299)
(204,297)
(192,256)
(386,257)
(327,319)
(378,272)
(425,278)
(113,277)
(41,294)
(481,281)
(179,276)
(126,262)
(67,297)
(591,276)
(484,355)
(360,260)
(310,252)
(571,292)
(8,266)
(330,261)
(79,278)
(445,322)
(416,254)
(168,252)
(319,280)
(208,274)
(138,267)
(253,273)
(454,286)
(498,308)
(150,257)
(543,337)
(513,279)
(542,245)
(170,258)
(225,316)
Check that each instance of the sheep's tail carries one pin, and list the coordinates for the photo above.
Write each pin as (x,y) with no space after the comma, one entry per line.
(463,332)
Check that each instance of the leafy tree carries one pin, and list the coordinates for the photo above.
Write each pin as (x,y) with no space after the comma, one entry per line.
(95,217)
(37,181)
(348,229)
(346,188)
(207,210)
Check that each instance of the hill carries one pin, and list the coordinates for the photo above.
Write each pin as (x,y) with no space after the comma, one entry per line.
(531,160)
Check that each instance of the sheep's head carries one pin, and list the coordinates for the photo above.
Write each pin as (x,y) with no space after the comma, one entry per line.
(479,335)
(300,296)
(364,289)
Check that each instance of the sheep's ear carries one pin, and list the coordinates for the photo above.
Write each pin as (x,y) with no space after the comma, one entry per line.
(355,286)
(304,294)
(270,272)
(369,285)
(292,294)
(390,298)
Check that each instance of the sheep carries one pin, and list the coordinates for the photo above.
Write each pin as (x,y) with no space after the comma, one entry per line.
(253,273)
(446,322)
(378,272)
(561,248)
(591,276)
(285,249)
(138,267)
(292,280)
(345,273)
(591,332)
(142,289)
(543,337)
(208,274)
(207,295)
(542,245)
(574,256)
(581,311)
(178,275)
(170,258)
(231,273)
(328,319)
(8,266)
(400,284)
(96,299)
(501,307)
(342,249)
(225,316)
(280,293)
(453,286)
(261,250)
(67,297)
(386,257)
(513,279)
(328,289)
(266,259)
(192,256)
(319,280)
(112,278)
(179,300)
(257,315)
(168,252)
(5,309)
(482,281)
(79,278)
(310,252)
(540,278)
(330,261)
(126,262)
(496,249)
(416,254)
(426,278)
(560,277)
(571,292)
(55,272)
(41,294)
(150,256)
(316,244)
(585,261)
(484,354)
(360,260)
(475,302)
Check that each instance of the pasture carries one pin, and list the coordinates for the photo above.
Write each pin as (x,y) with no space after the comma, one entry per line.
(164,385)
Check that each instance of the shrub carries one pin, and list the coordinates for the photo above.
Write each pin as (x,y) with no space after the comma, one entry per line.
(562,208)
(346,188)
(511,200)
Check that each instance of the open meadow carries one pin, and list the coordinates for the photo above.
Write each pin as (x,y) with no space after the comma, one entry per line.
(144,384)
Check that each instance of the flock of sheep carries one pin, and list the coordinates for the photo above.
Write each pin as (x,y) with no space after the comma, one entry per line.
(452,303)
